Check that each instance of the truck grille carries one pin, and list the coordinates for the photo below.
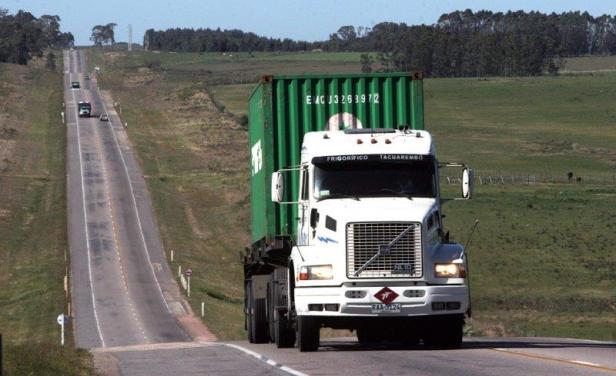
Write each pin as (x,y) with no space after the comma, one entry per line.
(404,259)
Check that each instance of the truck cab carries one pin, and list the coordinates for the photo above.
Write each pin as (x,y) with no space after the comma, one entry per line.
(371,253)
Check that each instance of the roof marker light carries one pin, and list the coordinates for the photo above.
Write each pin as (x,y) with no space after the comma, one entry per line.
(387,141)
(326,136)
(374,141)
(359,141)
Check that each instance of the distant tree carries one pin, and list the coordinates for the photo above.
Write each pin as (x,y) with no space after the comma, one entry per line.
(103,34)
(97,36)
(108,33)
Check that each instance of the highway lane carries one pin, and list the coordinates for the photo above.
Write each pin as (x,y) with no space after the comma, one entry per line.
(123,291)
(478,356)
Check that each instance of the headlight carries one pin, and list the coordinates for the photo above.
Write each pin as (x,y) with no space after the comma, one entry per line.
(316,272)
(449,270)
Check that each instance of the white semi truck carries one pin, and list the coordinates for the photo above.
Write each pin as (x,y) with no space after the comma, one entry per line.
(354,238)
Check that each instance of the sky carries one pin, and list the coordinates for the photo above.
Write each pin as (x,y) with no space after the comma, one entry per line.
(296,19)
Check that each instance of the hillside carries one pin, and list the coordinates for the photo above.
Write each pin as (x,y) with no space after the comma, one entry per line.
(542,262)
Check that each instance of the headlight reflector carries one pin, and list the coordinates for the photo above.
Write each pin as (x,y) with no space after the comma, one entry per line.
(316,272)
(449,270)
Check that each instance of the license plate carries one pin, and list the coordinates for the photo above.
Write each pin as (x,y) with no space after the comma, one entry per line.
(391,308)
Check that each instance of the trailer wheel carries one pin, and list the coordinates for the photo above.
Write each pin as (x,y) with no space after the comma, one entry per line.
(248,313)
(270,307)
(307,334)
(259,321)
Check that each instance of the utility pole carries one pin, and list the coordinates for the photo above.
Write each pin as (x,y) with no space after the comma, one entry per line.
(130,37)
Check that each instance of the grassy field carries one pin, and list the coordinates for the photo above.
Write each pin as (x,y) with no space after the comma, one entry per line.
(33,236)
(590,64)
(542,259)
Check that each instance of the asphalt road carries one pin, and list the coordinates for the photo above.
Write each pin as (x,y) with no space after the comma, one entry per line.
(123,292)
(128,309)
(478,356)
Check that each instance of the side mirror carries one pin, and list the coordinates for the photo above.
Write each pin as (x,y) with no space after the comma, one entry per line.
(277,187)
(467,183)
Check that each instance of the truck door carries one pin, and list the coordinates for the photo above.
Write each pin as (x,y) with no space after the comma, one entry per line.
(303,220)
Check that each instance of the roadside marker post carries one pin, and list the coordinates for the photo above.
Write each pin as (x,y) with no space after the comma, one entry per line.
(188,274)
(171,255)
(202,309)
(62,320)
(1,357)
(179,271)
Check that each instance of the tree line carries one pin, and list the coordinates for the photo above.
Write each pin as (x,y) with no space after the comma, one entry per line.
(460,43)
(23,36)
(217,40)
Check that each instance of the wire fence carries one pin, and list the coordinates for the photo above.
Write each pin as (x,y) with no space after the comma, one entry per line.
(532,179)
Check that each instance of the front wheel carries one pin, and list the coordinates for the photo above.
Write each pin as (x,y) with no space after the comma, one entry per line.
(446,333)
(284,333)
(307,334)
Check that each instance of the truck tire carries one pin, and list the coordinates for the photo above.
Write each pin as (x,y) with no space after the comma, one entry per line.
(248,313)
(269,306)
(307,334)
(366,336)
(446,333)
(259,321)
(284,334)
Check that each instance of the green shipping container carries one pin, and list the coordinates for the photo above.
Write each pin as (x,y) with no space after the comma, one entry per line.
(283,108)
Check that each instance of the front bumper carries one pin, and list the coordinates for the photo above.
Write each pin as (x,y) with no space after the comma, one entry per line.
(416,302)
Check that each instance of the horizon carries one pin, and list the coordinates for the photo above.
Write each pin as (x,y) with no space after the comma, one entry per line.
(266,18)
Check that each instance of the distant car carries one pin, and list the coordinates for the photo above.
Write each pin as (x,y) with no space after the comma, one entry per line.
(104,117)
(75,84)
(86,77)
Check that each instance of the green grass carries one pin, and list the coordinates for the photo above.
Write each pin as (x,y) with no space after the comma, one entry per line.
(234,97)
(542,259)
(543,125)
(33,233)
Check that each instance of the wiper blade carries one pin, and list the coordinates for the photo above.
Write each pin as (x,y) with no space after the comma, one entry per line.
(338,196)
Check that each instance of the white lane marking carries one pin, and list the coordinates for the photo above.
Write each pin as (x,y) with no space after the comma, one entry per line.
(132,194)
(585,363)
(85,219)
(550,358)
(267,360)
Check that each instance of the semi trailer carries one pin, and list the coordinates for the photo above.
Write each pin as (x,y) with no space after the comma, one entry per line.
(347,225)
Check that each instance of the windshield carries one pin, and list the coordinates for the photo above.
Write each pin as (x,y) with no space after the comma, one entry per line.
(375,178)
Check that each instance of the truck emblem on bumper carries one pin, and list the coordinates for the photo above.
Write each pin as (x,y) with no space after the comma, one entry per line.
(386,295)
